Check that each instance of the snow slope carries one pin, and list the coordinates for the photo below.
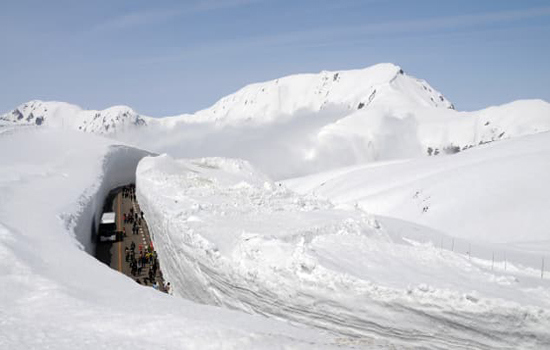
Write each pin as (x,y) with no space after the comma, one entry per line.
(497,194)
(56,296)
(227,235)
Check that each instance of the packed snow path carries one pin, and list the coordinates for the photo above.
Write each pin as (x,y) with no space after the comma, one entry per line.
(118,254)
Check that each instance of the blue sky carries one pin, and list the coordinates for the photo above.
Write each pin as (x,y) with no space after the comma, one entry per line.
(173,57)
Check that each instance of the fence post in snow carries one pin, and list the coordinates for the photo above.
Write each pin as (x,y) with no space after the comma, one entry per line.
(504,261)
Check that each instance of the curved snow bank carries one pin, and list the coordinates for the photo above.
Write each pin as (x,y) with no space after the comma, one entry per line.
(228,236)
(56,296)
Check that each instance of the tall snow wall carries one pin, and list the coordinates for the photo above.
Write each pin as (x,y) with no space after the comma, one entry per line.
(118,169)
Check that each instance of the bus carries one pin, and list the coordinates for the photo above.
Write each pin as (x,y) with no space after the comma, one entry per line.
(107,228)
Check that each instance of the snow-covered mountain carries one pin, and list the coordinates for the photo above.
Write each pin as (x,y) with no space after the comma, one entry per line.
(258,103)
(309,122)
(64,115)
(316,122)
(343,91)
(394,114)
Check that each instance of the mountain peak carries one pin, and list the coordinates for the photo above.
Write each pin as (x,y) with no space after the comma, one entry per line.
(341,91)
(61,114)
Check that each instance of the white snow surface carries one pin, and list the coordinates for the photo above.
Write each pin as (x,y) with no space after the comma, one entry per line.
(54,295)
(497,193)
(227,235)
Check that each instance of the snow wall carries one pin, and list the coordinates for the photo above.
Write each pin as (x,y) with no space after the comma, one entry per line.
(119,168)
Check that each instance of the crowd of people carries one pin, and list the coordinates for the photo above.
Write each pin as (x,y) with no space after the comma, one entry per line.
(147,257)
(142,259)
(133,219)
